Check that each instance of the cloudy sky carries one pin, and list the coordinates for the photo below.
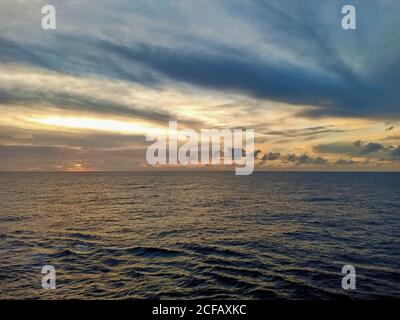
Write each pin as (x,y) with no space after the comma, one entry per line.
(83,96)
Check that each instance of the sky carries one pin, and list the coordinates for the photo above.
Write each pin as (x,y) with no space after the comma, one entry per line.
(84,96)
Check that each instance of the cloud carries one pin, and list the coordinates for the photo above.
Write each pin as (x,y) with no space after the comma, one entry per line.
(27,96)
(283,51)
(15,151)
(337,148)
(359,148)
(271,156)
(85,140)
(291,158)
(305,159)
(235,153)
(320,161)
(395,153)
(264,64)
(370,148)
(303,132)
(261,79)
(257,153)
(43,158)
(392,138)
(342,162)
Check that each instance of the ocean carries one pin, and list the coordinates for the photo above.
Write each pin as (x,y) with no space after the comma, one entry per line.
(188,235)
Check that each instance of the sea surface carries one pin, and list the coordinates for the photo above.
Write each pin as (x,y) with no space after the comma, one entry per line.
(186,235)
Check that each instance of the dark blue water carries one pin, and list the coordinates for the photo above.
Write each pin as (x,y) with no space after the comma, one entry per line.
(200,235)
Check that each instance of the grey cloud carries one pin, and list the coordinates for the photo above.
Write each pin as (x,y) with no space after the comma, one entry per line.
(316,66)
(320,161)
(22,157)
(291,158)
(237,152)
(14,136)
(358,143)
(395,153)
(303,132)
(344,162)
(337,148)
(371,148)
(261,79)
(391,138)
(305,159)
(71,101)
(358,148)
(257,153)
(271,156)
(21,151)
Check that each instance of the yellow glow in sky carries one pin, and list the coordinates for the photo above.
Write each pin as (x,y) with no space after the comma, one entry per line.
(114,126)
